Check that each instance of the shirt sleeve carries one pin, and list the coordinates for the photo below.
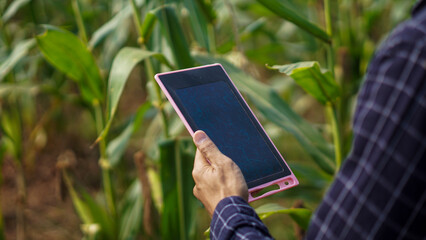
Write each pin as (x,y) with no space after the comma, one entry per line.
(376,194)
(233,218)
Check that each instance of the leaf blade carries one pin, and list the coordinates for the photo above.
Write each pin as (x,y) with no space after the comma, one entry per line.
(122,66)
(281,10)
(19,52)
(174,35)
(318,83)
(67,53)
(301,216)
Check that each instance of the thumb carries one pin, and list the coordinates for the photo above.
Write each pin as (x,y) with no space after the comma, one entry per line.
(206,146)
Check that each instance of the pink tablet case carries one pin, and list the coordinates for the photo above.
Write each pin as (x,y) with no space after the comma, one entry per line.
(283,183)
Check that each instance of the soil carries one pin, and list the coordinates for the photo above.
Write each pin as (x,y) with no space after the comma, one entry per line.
(47,216)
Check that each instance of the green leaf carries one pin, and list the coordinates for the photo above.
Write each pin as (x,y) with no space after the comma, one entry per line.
(148,26)
(179,204)
(276,110)
(13,8)
(100,216)
(10,129)
(110,26)
(206,7)
(122,66)
(199,23)
(131,212)
(279,8)
(175,37)
(301,216)
(118,145)
(19,51)
(80,206)
(315,81)
(68,54)
(89,211)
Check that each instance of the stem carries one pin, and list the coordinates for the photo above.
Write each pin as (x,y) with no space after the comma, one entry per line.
(79,20)
(332,109)
(337,136)
(103,162)
(179,181)
(150,72)
(159,103)
(329,29)
(212,41)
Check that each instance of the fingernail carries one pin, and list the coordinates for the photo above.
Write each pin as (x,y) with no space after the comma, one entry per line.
(199,137)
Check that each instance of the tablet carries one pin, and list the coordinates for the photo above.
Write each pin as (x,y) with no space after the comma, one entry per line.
(206,99)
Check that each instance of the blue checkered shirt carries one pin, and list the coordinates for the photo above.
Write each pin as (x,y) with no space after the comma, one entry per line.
(380,191)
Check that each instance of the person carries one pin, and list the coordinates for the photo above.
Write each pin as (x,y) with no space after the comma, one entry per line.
(380,191)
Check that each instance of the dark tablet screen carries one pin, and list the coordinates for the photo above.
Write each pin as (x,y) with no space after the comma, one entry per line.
(215,108)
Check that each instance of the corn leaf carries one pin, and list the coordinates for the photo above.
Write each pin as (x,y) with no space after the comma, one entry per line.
(100,216)
(199,23)
(118,145)
(19,52)
(68,54)
(301,216)
(110,26)
(175,37)
(89,211)
(148,26)
(315,81)
(276,110)
(279,8)
(208,11)
(179,204)
(13,8)
(121,68)
(131,212)
(11,132)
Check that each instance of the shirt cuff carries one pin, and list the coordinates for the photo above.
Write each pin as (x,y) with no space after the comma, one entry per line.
(231,214)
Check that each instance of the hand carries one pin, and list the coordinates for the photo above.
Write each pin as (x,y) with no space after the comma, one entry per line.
(216,178)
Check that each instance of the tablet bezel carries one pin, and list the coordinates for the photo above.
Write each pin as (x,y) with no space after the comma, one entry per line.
(172,81)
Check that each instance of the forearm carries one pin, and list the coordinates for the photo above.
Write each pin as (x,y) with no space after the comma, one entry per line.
(233,218)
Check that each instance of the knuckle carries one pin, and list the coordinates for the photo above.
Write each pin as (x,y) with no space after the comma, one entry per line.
(195,174)
(195,191)
(208,146)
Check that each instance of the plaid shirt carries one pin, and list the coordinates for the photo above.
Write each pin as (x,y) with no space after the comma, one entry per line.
(380,191)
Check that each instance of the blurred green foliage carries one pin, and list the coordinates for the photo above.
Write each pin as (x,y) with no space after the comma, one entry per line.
(82,52)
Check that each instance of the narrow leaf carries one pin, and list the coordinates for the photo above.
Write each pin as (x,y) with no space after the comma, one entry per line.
(67,53)
(279,8)
(100,216)
(131,212)
(110,26)
(198,23)
(118,145)
(175,37)
(301,216)
(122,66)
(148,26)
(276,110)
(315,81)
(13,8)
(19,52)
